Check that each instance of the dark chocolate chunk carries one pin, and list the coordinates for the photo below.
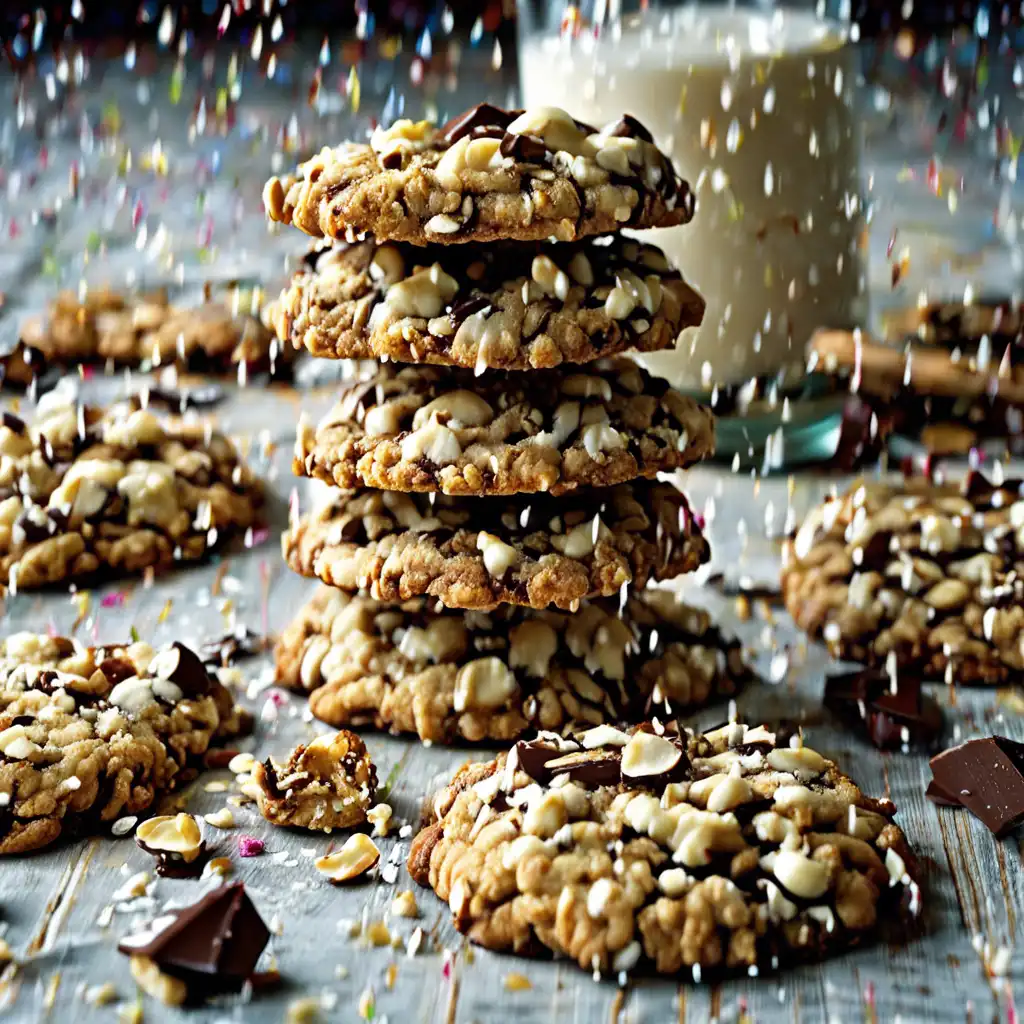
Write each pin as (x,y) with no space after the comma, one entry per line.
(523,148)
(173,865)
(392,160)
(987,777)
(117,669)
(533,755)
(179,400)
(231,647)
(864,700)
(182,667)
(589,767)
(629,127)
(463,309)
(483,115)
(15,423)
(938,795)
(213,946)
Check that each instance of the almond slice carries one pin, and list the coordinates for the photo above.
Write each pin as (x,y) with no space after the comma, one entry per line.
(646,754)
(355,858)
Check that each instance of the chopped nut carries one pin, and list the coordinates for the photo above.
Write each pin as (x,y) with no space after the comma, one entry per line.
(223,818)
(404,905)
(169,991)
(357,856)
(380,817)
(178,834)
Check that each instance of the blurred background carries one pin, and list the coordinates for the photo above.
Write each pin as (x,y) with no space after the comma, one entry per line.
(855,163)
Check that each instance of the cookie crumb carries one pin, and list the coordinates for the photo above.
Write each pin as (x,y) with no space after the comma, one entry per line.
(404,905)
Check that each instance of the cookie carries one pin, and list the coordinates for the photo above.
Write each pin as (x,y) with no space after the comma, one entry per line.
(148,331)
(693,855)
(915,575)
(484,176)
(326,784)
(956,324)
(91,734)
(531,549)
(918,369)
(456,676)
(424,428)
(509,307)
(88,493)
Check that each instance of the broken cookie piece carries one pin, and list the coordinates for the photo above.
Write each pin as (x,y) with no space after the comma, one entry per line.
(326,784)
(652,848)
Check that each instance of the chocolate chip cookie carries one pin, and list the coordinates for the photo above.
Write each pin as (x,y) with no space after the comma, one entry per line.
(727,852)
(89,734)
(144,331)
(325,784)
(456,676)
(486,175)
(426,428)
(530,549)
(919,575)
(88,492)
(510,307)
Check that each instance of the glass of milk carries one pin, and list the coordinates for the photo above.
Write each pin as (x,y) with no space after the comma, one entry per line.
(756,106)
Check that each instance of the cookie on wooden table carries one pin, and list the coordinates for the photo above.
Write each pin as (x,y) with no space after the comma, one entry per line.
(92,734)
(485,175)
(509,307)
(450,675)
(691,854)
(424,428)
(916,575)
(144,330)
(89,492)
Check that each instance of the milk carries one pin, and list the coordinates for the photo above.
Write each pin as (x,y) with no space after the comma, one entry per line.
(757,113)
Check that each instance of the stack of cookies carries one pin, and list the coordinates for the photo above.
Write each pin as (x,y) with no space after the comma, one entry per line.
(497,513)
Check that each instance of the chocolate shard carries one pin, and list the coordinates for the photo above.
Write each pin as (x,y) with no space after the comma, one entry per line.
(523,148)
(213,945)
(183,667)
(864,700)
(938,795)
(15,423)
(233,646)
(591,768)
(181,399)
(483,115)
(987,777)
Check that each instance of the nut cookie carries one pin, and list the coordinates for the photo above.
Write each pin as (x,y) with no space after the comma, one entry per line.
(705,854)
(88,492)
(424,428)
(326,784)
(455,676)
(533,550)
(124,330)
(921,575)
(88,734)
(510,307)
(484,176)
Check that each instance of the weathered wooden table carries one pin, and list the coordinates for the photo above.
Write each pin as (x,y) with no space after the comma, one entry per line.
(148,224)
